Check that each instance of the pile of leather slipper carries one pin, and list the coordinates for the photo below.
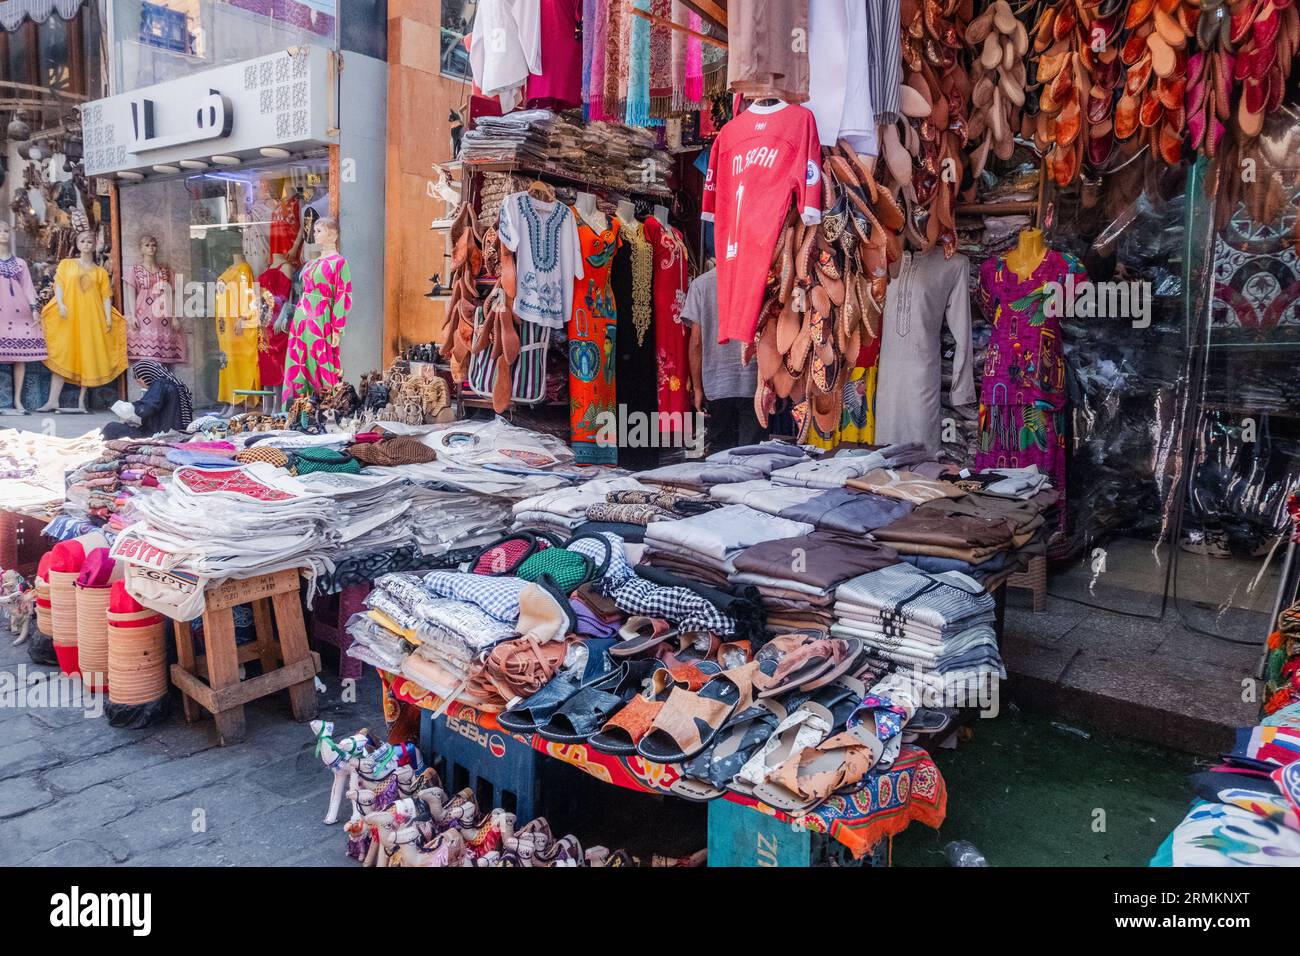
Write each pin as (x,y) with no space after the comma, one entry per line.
(1155,53)
(1266,34)
(1000,44)
(487,324)
(826,291)
(1061,42)
(926,157)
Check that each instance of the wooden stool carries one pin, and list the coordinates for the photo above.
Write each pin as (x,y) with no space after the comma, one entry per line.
(1034,580)
(212,681)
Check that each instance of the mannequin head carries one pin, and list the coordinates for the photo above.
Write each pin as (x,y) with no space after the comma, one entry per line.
(148,246)
(86,243)
(6,235)
(326,232)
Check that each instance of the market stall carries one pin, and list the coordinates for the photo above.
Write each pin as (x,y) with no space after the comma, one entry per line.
(807,347)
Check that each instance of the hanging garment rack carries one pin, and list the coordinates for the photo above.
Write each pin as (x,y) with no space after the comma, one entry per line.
(671,25)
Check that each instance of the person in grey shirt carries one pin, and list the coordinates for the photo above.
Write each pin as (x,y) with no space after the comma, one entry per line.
(717,373)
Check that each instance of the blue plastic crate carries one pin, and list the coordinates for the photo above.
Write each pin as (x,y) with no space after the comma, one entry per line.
(502,771)
(741,836)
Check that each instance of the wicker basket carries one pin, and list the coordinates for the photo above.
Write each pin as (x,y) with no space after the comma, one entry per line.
(92,636)
(44,620)
(63,607)
(137,658)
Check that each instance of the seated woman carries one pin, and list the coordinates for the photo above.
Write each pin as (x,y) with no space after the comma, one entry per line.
(166,405)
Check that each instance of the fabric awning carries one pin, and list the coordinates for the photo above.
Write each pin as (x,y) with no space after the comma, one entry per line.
(14,12)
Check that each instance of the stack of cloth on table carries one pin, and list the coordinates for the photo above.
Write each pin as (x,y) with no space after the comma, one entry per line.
(33,467)
(564,509)
(797,577)
(745,463)
(626,512)
(102,489)
(849,463)
(703,547)
(936,627)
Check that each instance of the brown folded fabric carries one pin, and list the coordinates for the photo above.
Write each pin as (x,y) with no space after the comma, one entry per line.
(941,527)
(401,450)
(904,485)
(822,559)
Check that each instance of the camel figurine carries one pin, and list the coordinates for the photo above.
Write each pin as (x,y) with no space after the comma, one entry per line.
(18,599)
(337,755)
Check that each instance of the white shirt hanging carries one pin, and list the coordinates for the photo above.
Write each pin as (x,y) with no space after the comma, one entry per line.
(838,90)
(505,47)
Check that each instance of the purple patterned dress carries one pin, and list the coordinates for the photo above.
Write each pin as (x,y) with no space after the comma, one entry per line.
(21,337)
(153,334)
(1022,393)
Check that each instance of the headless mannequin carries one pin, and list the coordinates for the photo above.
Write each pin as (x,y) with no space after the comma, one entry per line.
(1028,253)
(234,408)
(20,368)
(590,213)
(661,213)
(626,212)
(86,261)
(148,259)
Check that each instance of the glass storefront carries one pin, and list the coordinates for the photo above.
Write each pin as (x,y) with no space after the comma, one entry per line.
(166,39)
(218,229)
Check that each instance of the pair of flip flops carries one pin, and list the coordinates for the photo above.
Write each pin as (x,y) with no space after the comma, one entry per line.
(624,729)
(689,720)
(813,664)
(535,711)
(587,711)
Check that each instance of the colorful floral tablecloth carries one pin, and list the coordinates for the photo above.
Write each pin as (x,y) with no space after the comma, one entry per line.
(886,803)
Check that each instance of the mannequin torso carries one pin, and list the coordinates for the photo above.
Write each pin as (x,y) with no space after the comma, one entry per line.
(1028,254)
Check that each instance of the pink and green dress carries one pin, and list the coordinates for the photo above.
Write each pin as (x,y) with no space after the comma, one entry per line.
(312,365)
(1022,393)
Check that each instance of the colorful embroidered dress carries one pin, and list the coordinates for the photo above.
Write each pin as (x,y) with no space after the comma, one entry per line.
(672,278)
(153,334)
(236,333)
(312,365)
(285,220)
(21,338)
(592,340)
(81,348)
(1022,394)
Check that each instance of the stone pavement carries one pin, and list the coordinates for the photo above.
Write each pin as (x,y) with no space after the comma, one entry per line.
(1142,678)
(76,792)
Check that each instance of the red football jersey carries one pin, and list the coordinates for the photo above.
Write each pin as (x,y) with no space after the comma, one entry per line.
(761,158)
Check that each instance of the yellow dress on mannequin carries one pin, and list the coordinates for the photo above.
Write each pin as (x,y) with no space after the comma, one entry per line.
(80,348)
(236,333)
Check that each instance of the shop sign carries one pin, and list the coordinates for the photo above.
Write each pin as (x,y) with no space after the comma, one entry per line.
(275,100)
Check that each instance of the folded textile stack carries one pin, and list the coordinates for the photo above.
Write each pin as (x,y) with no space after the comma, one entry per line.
(640,507)
(936,627)
(797,576)
(905,485)
(566,508)
(605,154)
(849,463)
(102,489)
(33,467)
(705,546)
(743,464)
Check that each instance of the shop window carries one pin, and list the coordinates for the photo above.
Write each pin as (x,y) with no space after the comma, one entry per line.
(52,38)
(457,21)
(225,225)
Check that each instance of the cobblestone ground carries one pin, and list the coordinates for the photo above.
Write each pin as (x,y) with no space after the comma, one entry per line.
(76,791)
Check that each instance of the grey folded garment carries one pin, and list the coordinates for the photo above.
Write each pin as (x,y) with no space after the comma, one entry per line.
(847,510)
(905,593)
(699,474)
